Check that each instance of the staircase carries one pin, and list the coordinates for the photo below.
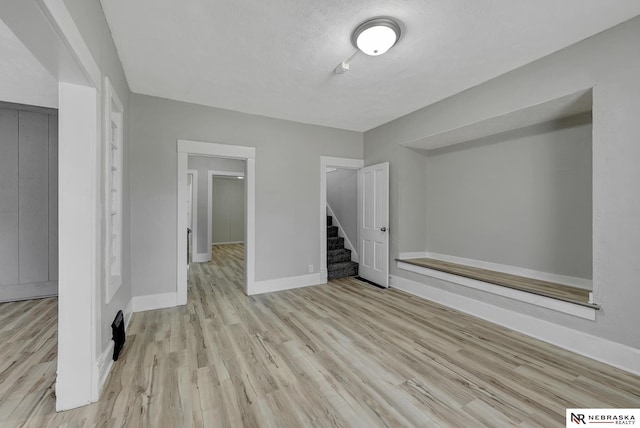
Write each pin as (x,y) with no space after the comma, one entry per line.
(339,264)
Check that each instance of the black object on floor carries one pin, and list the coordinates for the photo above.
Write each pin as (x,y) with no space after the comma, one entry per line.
(118,334)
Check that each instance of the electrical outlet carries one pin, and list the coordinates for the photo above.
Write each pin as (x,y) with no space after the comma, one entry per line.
(310,268)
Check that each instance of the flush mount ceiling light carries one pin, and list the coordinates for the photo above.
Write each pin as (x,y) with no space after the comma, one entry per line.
(376,36)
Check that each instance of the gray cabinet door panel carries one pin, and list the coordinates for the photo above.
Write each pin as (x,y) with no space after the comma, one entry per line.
(8,196)
(33,206)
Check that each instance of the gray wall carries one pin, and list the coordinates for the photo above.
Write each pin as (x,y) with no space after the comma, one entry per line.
(342,196)
(203,165)
(90,20)
(227,217)
(287,185)
(608,62)
(28,202)
(521,198)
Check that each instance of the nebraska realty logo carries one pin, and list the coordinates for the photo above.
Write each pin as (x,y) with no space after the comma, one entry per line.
(581,417)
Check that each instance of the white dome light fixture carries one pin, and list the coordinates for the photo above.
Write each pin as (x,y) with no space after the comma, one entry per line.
(376,36)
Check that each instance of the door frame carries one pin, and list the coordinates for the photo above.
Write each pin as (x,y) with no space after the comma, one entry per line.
(200,148)
(330,162)
(47,29)
(194,212)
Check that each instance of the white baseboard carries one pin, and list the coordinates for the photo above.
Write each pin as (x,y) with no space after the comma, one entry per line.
(573,281)
(347,243)
(224,243)
(128,311)
(15,292)
(105,363)
(201,257)
(615,354)
(413,255)
(569,308)
(154,301)
(280,284)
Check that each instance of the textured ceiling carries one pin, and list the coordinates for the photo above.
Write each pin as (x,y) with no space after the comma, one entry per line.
(276,58)
(23,79)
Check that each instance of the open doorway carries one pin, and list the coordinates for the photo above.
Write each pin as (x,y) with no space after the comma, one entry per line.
(348,256)
(222,160)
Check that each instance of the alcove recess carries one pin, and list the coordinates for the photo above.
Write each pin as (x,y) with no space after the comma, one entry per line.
(492,189)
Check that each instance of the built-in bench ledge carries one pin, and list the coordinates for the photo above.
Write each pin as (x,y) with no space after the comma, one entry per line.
(518,286)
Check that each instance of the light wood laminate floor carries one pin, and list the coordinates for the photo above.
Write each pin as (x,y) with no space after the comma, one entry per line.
(343,354)
(554,290)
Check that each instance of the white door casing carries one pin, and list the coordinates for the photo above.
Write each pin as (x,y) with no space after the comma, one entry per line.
(199,148)
(192,211)
(373,223)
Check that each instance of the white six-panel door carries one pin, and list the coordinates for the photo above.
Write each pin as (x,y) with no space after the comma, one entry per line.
(373,223)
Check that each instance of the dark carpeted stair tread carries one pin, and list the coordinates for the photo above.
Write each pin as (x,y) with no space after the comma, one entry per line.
(335,243)
(339,264)
(341,270)
(339,255)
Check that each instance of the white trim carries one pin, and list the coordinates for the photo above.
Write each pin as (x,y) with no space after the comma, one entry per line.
(280,284)
(113,281)
(128,312)
(248,154)
(225,243)
(210,175)
(573,281)
(330,162)
(201,257)
(79,245)
(194,212)
(511,293)
(341,233)
(615,354)
(413,255)
(104,364)
(216,149)
(59,17)
(153,301)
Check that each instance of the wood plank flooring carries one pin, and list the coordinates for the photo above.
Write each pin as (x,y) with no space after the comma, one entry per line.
(536,286)
(344,354)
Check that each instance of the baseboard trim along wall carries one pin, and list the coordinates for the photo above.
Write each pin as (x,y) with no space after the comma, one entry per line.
(15,292)
(224,243)
(612,353)
(200,258)
(586,284)
(280,284)
(104,365)
(154,301)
